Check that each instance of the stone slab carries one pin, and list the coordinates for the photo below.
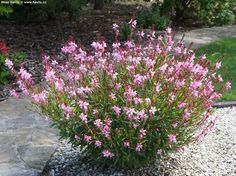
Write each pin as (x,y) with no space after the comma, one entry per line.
(26,140)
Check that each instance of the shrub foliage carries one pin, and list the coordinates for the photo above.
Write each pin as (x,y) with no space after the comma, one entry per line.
(130,105)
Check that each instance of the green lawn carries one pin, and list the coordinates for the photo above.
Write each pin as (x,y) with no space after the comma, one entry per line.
(227,48)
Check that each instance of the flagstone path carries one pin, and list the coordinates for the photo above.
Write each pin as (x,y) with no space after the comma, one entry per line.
(26,140)
(205,36)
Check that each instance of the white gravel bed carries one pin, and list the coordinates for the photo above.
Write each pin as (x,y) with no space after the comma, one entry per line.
(214,156)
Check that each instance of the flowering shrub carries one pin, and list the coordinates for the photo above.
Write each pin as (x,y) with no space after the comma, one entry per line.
(131,105)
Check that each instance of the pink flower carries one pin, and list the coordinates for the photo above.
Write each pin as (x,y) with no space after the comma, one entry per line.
(195,84)
(69,48)
(139,79)
(179,83)
(107,154)
(98,143)
(50,76)
(137,100)
(59,85)
(218,65)
(228,85)
(95,111)
(141,115)
(118,85)
(112,96)
(220,78)
(83,117)
(159,151)
(129,44)
(116,110)
(168,30)
(163,68)
(126,144)
(67,110)
(142,133)
(98,123)
(14,93)
(132,23)
(138,147)
(172,138)
(129,112)
(54,63)
(9,64)
(141,34)
(106,131)
(186,114)
(83,68)
(115,27)
(174,125)
(116,45)
(24,75)
(182,105)
(99,46)
(83,105)
(40,98)
(87,138)
(130,93)
(157,88)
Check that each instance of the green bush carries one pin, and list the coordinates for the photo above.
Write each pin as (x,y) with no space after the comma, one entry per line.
(152,18)
(5,10)
(225,17)
(41,12)
(206,11)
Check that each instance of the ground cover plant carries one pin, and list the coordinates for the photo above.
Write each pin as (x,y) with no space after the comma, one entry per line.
(130,105)
(225,49)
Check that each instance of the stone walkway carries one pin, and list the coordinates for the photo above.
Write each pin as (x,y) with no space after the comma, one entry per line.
(26,141)
(204,36)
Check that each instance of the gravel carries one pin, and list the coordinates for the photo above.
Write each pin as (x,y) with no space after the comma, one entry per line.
(214,156)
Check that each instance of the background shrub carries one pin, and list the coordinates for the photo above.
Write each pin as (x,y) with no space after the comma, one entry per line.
(130,106)
(226,17)
(152,18)
(204,11)
(5,10)
(41,12)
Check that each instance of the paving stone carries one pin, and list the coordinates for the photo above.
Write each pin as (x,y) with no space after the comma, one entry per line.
(26,140)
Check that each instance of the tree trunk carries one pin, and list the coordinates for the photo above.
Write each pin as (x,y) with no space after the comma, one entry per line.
(98,4)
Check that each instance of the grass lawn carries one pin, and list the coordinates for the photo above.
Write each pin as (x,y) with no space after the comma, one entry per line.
(227,48)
